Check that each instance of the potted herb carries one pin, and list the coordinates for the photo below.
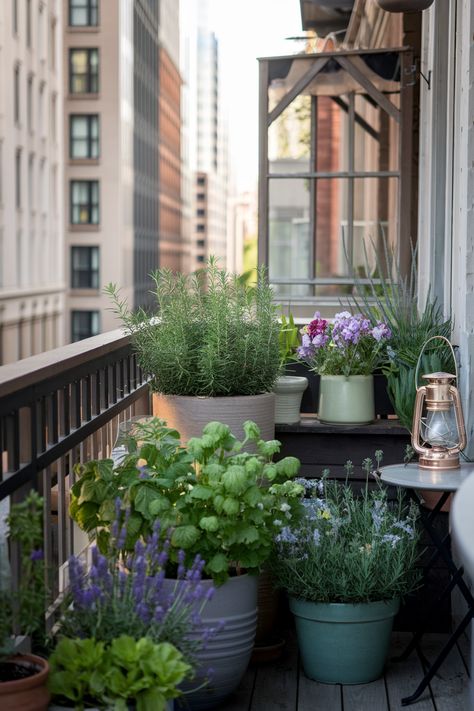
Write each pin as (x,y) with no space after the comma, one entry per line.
(288,389)
(211,350)
(125,637)
(345,353)
(23,677)
(220,502)
(345,567)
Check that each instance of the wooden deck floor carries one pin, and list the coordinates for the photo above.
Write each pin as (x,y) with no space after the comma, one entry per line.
(282,686)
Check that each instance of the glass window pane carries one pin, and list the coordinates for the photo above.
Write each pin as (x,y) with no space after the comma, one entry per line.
(376,137)
(289,138)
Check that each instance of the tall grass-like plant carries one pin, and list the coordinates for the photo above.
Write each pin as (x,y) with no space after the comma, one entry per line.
(212,335)
(392,297)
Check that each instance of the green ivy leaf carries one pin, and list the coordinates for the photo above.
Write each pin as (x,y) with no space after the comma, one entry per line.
(252,430)
(145,495)
(268,449)
(209,523)
(107,511)
(201,492)
(86,516)
(247,534)
(235,479)
(231,506)
(218,502)
(185,536)
(218,563)
(253,496)
(288,466)
(158,506)
(134,529)
(270,471)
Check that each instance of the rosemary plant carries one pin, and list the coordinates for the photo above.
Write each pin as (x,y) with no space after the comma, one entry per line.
(212,335)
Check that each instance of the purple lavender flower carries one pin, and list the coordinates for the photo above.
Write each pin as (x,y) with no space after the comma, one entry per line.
(37,554)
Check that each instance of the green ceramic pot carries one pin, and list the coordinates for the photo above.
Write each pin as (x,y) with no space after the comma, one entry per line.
(346,400)
(343,643)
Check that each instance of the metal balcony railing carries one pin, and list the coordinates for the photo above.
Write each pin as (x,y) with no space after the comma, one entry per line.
(57,409)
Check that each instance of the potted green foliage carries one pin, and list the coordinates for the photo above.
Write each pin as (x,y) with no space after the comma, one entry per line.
(124,636)
(220,502)
(392,296)
(345,567)
(23,677)
(288,389)
(345,353)
(211,348)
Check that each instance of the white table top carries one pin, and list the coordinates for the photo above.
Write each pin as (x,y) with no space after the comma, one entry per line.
(462,522)
(411,476)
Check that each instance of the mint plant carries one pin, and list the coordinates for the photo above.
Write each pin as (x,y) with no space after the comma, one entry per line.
(220,502)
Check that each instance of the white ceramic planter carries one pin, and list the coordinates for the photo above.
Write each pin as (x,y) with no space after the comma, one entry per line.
(229,652)
(189,414)
(289,391)
(346,400)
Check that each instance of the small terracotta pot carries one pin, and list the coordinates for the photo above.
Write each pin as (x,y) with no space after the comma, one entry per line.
(30,694)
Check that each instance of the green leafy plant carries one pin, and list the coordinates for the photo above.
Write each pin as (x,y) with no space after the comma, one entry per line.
(347,547)
(393,297)
(23,610)
(221,503)
(212,334)
(89,673)
(288,340)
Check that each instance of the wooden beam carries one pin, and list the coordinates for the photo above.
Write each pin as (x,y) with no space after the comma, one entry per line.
(370,88)
(300,86)
(262,241)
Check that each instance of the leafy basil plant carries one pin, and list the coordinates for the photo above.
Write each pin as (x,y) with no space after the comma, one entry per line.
(87,673)
(220,502)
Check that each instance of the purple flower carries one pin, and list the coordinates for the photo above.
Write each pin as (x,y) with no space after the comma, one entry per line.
(381,332)
(37,555)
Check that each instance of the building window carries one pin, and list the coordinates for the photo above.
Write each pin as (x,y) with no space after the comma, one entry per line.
(84,324)
(201,196)
(200,228)
(200,258)
(201,180)
(83,13)
(16,94)
(84,267)
(200,243)
(200,212)
(84,202)
(18,178)
(84,136)
(84,71)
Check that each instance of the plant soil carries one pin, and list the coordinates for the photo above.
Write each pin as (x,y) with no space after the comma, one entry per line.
(10,671)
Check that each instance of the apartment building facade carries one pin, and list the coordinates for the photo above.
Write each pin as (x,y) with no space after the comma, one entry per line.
(111,147)
(31,179)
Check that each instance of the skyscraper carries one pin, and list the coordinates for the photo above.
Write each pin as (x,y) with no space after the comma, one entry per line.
(111,120)
(31,179)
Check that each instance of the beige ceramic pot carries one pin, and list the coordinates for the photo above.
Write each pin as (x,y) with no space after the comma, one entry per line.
(189,415)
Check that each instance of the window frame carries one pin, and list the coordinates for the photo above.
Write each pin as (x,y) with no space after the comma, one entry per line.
(90,140)
(94,273)
(90,203)
(88,74)
(90,334)
(91,7)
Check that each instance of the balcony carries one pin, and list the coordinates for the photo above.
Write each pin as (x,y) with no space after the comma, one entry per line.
(64,406)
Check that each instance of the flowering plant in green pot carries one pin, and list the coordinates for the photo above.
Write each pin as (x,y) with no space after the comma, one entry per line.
(345,353)
(349,560)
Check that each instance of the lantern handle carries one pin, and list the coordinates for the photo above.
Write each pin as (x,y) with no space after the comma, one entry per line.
(433,338)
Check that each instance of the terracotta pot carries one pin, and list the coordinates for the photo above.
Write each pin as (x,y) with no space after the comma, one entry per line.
(404,5)
(30,694)
(189,414)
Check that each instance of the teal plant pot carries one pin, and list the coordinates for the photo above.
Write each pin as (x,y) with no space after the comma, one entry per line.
(346,400)
(343,643)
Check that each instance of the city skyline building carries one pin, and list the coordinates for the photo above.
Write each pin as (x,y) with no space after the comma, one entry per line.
(112,161)
(31,179)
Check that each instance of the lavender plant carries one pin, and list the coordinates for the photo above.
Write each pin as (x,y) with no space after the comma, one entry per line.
(349,346)
(128,595)
(347,547)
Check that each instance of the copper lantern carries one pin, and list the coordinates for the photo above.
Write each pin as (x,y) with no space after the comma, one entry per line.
(438,431)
